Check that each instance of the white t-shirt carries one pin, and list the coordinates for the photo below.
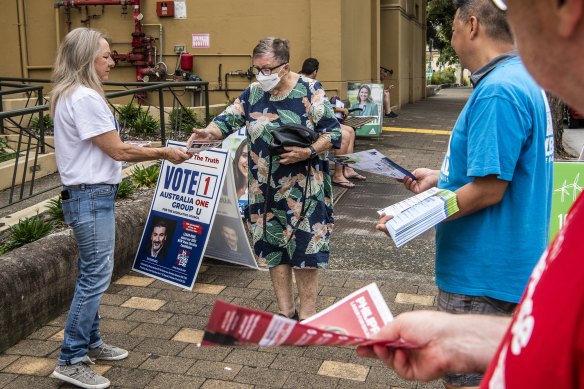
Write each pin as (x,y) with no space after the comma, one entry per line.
(79,117)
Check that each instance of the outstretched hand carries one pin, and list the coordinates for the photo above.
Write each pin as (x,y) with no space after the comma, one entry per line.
(176,155)
(199,134)
(448,343)
(425,179)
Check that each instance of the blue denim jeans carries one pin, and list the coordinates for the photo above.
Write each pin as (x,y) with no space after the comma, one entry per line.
(90,213)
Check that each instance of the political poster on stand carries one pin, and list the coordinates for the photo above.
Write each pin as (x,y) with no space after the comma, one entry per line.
(568,185)
(181,215)
(229,240)
(236,143)
(366,100)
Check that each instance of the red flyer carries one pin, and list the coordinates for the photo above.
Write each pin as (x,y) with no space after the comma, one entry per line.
(351,321)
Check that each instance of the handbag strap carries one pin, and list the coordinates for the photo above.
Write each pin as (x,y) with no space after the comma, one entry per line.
(302,199)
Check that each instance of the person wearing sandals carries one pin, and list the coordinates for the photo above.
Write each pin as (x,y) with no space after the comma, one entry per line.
(89,152)
(290,205)
(310,68)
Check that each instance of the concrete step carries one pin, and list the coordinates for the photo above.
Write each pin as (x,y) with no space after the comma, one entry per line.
(43,166)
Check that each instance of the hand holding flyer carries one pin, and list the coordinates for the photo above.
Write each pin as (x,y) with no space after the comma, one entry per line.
(351,321)
(372,161)
(414,215)
(199,146)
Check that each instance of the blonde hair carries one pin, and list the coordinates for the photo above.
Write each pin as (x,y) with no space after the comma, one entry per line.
(75,64)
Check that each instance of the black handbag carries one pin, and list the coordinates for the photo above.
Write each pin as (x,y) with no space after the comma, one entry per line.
(291,135)
(284,136)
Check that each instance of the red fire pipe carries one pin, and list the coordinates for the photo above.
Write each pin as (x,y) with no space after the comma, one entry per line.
(141,54)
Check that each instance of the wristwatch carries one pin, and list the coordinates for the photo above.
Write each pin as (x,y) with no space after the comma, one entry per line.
(312,151)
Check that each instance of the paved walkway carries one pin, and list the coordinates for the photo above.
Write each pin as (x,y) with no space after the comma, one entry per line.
(161,324)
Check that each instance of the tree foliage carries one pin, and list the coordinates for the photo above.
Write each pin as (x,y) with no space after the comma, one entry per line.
(439,27)
(557,107)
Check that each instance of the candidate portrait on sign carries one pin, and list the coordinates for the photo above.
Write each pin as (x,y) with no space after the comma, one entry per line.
(366,100)
(225,235)
(161,231)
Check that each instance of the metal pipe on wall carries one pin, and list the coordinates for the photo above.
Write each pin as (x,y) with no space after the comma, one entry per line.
(224,55)
(58,27)
(22,38)
(160,38)
(76,3)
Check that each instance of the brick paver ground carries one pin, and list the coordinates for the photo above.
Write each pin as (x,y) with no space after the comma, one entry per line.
(161,324)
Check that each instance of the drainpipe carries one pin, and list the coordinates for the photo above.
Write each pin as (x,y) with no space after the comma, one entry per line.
(160,39)
(22,39)
(78,3)
(58,27)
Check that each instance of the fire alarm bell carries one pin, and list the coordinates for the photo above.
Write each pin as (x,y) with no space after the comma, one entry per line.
(165,8)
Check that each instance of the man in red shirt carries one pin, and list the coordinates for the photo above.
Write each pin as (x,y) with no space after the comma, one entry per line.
(542,346)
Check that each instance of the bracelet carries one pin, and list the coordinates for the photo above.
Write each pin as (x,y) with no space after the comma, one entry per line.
(312,151)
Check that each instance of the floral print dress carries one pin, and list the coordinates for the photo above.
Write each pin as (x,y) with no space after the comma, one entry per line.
(286,237)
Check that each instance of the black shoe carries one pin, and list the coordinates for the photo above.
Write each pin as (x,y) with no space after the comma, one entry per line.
(293,317)
(391,115)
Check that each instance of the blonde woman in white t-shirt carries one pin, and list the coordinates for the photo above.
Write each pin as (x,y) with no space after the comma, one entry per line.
(89,155)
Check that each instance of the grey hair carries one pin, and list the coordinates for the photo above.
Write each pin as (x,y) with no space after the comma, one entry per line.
(273,46)
(492,19)
(75,64)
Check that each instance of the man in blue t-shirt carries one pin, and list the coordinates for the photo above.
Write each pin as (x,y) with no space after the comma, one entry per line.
(499,162)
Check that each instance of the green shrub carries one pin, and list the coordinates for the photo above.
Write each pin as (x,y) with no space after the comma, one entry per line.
(145,177)
(5,152)
(443,77)
(47,122)
(26,231)
(125,189)
(183,119)
(128,115)
(145,124)
(55,210)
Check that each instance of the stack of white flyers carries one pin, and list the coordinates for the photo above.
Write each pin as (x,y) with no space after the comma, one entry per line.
(417,214)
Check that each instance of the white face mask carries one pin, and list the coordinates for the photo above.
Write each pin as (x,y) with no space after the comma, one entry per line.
(268,82)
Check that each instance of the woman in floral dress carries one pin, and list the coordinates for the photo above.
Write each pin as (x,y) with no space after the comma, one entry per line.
(292,221)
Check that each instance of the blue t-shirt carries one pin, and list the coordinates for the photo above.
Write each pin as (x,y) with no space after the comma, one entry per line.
(505,129)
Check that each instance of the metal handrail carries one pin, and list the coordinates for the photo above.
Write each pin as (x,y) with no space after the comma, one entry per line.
(23,111)
(142,88)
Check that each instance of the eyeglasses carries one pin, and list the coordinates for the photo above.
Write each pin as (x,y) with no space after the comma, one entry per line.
(500,4)
(265,71)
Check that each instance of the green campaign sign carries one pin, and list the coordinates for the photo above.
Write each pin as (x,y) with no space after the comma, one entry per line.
(568,184)
(366,100)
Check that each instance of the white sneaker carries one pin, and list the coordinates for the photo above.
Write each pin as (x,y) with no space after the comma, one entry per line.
(107,353)
(81,375)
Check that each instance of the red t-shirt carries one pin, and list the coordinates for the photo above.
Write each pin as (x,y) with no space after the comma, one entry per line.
(544,346)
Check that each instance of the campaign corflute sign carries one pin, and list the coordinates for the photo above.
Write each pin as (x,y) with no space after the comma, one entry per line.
(181,215)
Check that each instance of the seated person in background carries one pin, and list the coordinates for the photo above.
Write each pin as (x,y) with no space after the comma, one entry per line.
(341,173)
(383,74)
